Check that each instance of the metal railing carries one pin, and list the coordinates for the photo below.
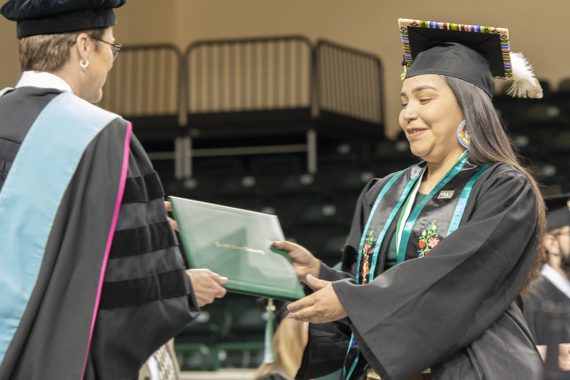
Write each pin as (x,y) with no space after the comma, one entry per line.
(349,82)
(248,74)
(277,84)
(145,81)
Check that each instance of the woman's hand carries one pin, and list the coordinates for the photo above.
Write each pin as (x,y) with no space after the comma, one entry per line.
(304,262)
(207,285)
(320,307)
(172,222)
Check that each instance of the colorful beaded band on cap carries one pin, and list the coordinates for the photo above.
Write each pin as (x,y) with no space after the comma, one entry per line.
(502,32)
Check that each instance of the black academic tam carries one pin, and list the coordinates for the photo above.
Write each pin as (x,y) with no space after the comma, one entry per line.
(35,17)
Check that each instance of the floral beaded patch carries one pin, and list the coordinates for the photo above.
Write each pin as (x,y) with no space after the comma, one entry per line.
(429,238)
(367,251)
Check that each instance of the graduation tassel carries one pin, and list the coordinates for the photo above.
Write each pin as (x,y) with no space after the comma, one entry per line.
(525,84)
(268,355)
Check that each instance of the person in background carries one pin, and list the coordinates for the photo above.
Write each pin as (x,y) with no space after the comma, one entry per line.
(547,305)
(91,278)
(161,365)
(438,253)
(289,342)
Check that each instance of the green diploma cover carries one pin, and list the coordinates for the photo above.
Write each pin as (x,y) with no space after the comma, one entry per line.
(237,244)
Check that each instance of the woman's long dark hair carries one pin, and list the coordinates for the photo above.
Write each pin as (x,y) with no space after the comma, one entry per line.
(490,144)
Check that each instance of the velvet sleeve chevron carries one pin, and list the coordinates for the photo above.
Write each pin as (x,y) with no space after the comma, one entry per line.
(147,296)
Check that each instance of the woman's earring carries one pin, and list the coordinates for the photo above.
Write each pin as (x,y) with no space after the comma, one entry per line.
(463,135)
(84,63)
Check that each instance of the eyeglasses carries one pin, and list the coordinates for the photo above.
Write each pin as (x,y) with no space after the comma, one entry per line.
(115,48)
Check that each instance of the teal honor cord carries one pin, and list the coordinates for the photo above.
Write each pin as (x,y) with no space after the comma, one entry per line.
(411,220)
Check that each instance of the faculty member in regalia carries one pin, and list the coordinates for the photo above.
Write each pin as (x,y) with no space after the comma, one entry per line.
(91,277)
(438,253)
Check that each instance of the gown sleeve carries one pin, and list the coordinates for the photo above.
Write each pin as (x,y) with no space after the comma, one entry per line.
(418,313)
(147,297)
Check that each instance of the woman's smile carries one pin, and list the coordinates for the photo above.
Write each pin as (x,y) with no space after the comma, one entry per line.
(415,133)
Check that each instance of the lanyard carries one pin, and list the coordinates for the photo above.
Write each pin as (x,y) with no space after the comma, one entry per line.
(407,210)
(462,203)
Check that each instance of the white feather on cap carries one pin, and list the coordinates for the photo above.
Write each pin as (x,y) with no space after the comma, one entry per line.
(525,84)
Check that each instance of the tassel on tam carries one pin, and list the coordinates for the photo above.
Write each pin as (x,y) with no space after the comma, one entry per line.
(525,84)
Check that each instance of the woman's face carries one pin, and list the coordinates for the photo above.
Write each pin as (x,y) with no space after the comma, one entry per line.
(430,116)
(101,62)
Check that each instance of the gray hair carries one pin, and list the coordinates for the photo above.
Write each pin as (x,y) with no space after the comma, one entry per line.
(50,52)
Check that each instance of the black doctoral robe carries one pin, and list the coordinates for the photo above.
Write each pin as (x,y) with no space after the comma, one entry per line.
(452,310)
(146,297)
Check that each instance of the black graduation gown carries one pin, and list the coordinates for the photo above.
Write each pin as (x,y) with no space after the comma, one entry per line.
(540,293)
(452,310)
(146,296)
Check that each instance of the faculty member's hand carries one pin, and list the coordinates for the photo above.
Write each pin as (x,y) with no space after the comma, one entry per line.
(207,285)
(320,307)
(304,262)
(172,222)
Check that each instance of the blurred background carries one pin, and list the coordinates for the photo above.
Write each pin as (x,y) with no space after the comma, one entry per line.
(290,107)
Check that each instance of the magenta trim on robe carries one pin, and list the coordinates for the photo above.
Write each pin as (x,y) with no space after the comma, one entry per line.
(121,191)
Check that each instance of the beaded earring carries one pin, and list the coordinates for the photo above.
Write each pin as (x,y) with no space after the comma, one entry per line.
(463,135)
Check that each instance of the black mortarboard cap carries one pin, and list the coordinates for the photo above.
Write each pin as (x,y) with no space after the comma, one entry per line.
(472,53)
(36,17)
(558,211)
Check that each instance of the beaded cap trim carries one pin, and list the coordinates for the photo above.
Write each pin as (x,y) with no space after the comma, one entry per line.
(502,32)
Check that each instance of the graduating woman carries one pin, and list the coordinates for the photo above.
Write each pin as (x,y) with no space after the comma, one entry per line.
(438,253)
